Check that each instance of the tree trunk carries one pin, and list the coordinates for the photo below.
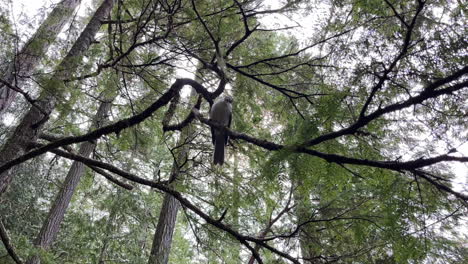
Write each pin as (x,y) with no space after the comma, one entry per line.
(32,123)
(34,50)
(51,225)
(163,236)
(168,215)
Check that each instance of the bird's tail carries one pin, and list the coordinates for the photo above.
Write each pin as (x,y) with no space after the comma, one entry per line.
(218,155)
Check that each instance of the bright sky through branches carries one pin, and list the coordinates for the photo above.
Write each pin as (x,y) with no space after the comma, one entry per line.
(27,15)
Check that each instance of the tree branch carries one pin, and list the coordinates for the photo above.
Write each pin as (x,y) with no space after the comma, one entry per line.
(113,128)
(440,186)
(404,50)
(162,186)
(339,159)
(428,92)
(8,246)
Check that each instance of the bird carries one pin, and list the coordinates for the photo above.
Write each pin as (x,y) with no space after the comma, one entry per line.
(221,112)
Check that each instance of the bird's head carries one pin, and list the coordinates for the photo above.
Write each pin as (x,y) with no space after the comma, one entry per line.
(228,99)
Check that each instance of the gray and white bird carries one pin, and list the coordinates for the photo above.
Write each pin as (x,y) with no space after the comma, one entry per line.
(221,112)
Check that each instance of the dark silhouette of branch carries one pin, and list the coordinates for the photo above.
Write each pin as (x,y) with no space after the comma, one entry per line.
(185,122)
(113,128)
(205,26)
(404,50)
(396,165)
(112,62)
(247,30)
(164,187)
(285,8)
(23,93)
(398,15)
(430,91)
(94,168)
(99,165)
(111,178)
(8,246)
(440,186)
(296,53)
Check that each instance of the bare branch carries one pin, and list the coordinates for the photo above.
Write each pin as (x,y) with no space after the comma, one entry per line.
(113,128)
(8,246)
(247,30)
(440,186)
(162,186)
(339,159)
(430,91)
(25,94)
(403,51)
(402,20)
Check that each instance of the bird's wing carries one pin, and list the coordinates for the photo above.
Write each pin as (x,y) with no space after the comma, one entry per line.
(226,137)
(213,136)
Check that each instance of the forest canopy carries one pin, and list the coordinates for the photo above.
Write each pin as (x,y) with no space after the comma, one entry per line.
(348,141)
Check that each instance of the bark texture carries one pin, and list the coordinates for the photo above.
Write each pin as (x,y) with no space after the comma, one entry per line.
(34,50)
(51,225)
(164,231)
(162,241)
(32,123)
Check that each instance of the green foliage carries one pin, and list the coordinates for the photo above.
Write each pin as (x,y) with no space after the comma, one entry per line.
(287,89)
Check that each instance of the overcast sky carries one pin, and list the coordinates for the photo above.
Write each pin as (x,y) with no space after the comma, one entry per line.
(29,11)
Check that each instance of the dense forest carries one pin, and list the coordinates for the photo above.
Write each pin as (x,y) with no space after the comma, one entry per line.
(348,141)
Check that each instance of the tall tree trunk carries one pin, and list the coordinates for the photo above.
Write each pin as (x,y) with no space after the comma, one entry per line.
(168,215)
(34,50)
(32,123)
(164,231)
(51,225)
